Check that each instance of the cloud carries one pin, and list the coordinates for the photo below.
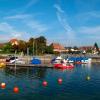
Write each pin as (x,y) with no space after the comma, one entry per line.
(20,16)
(28,5)
(89,30)
(31,2)
(9,30)
(23,8)
(86,16)
(58,8)
(62,18)
(36,26)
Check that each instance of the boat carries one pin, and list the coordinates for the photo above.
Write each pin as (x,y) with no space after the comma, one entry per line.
(63,66)
(79,60)
(12,60)
(36,61)
(58,59)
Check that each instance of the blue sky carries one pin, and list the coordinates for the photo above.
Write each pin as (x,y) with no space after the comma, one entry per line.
(69,22)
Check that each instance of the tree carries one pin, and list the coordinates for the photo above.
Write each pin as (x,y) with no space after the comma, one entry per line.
(37,46)
(89,51)
(31,45)
(49,50)
(40,44)
(75,48)
(7,47)
(22,46)
(96,46)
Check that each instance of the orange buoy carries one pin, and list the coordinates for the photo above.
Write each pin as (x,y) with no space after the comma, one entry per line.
(16,89)
(3,85)
(45,83)
(60,80)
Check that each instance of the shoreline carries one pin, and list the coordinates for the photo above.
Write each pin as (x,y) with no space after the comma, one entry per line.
(46,59)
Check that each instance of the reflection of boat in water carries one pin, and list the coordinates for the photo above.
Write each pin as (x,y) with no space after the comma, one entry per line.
(63,66)
(86,60)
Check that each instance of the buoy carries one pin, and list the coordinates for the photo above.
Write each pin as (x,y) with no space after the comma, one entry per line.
(60,80)
(3,85)
(16,89)
(88,78)
(45,83)
(2,64)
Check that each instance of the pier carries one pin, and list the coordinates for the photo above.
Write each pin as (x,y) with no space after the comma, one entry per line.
(30,65)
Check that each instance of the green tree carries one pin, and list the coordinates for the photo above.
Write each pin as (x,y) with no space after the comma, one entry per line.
(22,46)
(31,45)
(40,44)
(89,51)
(49,50)
(96,47)
(7,48)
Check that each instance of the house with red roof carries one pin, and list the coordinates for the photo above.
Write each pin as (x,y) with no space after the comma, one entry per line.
(58,47)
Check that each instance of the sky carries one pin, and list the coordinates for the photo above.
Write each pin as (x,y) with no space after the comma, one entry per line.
(69,22)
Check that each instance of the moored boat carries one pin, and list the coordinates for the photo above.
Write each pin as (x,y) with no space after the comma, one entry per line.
(63,66)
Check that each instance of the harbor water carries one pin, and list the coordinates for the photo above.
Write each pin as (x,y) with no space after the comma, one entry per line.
(74,86)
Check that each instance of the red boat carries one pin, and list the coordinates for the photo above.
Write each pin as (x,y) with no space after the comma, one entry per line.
(61,66)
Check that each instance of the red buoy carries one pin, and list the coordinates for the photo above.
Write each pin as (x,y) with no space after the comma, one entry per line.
(59,80)
(45,83)
(3,85)
(15,89)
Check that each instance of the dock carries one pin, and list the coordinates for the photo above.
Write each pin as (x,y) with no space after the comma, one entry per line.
(30,65)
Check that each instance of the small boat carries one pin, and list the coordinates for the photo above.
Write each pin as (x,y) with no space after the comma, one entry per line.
(63,66)
(58,59)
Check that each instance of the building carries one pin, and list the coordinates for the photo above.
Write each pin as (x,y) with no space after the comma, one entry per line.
(14,41)
(58,47)
(86,48)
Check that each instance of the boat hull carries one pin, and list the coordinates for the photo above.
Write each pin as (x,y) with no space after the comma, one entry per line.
(61,66)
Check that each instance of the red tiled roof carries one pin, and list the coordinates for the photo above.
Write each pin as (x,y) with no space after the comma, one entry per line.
(57,46)
(13,40)
(86,47)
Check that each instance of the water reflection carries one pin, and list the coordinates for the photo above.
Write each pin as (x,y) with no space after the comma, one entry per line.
(29,80)
(26,72)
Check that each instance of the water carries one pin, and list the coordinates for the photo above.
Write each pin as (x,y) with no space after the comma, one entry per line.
(74,85)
